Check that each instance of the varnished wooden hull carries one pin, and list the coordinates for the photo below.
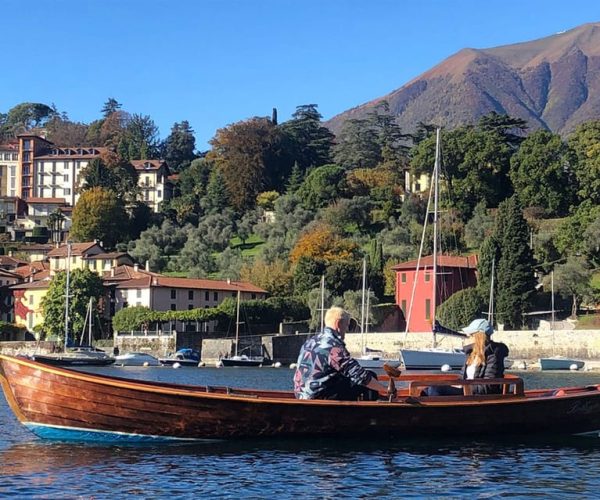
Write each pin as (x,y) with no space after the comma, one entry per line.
(59,403)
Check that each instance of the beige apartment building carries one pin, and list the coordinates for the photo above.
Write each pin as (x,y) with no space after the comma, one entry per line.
(153,181)
(9,164)
(41,171)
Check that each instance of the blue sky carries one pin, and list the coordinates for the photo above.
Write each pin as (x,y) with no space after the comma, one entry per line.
(215,62)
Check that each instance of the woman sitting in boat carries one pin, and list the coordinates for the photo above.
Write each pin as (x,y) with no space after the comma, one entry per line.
(484,359)
(327,371)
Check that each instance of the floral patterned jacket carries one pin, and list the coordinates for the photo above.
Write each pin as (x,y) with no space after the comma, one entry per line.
(322,361)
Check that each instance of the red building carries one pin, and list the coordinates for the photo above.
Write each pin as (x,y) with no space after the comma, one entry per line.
(453,274)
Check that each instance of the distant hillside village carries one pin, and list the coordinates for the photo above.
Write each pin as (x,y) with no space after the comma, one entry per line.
(287,213)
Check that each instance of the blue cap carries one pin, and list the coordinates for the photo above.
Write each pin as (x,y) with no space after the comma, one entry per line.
(478,325)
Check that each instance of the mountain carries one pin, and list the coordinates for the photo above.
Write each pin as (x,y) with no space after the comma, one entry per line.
(553,83)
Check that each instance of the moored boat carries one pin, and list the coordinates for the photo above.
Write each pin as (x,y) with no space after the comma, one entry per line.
(137,359)
(432,358)
(78,356)
(560,363)
(58,403)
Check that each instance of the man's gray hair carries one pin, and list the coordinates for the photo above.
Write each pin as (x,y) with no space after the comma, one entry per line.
(335,313)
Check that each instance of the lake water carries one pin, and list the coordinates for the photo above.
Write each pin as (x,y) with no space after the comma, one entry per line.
(333,468)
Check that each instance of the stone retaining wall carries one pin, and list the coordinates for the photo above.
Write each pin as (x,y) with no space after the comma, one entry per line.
(527,344)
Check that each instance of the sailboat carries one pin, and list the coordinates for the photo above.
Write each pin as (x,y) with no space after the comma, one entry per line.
(369,358)
(78,355)
(433,358)
(558,362)
(239,359)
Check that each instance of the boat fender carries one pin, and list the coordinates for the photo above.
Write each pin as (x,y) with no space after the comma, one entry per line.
(559,392)
(292,366)
(573,367)
(219,364)
(145,363)
(277,364)
(202,364)
(446,368)
(176,365)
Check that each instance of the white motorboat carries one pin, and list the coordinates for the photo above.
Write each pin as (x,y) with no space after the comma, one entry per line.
(137,359)
(560,363)
(432,358)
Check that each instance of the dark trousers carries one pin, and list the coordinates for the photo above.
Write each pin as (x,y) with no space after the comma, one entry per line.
(343,389)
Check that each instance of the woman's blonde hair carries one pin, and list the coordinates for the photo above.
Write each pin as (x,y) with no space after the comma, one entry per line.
(477,355)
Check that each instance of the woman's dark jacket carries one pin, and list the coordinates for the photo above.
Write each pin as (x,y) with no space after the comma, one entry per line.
(495,352)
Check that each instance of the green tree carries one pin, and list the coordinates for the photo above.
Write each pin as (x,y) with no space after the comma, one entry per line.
(322,186)
(217,195)
(83,285)
(568,238)
(475,166)
(110,106)
(158,244)
(26,116)
(460,308)
(515,266)
(311,142)
(141,138)
(585,144)
(479,226)
(99,214)
(179,147)
(573,279)
(540,173)
(111,172)
(248,155)
(371,141)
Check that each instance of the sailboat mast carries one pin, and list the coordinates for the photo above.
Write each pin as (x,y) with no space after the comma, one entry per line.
(436,176)
(90,319)
(322,302)
(491,306)
(237,323)
(67,296)
(552,295)
(362,303)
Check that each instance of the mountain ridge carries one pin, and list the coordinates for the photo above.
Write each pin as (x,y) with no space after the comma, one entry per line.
(552,82)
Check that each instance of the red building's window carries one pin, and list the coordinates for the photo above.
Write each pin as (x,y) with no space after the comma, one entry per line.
(427,308)
(403,277)
(403,306)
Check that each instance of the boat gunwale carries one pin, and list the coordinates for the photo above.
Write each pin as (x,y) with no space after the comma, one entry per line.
(251,396)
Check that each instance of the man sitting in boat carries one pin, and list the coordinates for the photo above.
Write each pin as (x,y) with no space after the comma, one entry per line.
(327,371)
(484,359)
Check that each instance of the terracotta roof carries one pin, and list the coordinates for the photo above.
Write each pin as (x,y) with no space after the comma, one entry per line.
(147,164)
(109,255)
(37,267)
(7,260)
(76,249)
(45,283)
(127,277)
(469,262)
(59,201)
(41,247)
(9,274)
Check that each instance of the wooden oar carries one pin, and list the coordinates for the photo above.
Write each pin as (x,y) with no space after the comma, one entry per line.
(392,371)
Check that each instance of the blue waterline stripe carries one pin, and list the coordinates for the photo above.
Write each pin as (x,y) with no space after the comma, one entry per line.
(63,433)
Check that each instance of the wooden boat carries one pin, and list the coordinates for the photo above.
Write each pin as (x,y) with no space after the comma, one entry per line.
(59,403)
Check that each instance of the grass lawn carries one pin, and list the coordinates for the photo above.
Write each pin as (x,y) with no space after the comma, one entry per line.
(250,248)
(588,322)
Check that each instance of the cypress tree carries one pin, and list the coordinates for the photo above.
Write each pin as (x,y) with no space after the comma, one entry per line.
(514,269)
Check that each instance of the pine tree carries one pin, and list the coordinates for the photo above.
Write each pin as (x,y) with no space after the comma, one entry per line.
(515,276)
(295,179)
